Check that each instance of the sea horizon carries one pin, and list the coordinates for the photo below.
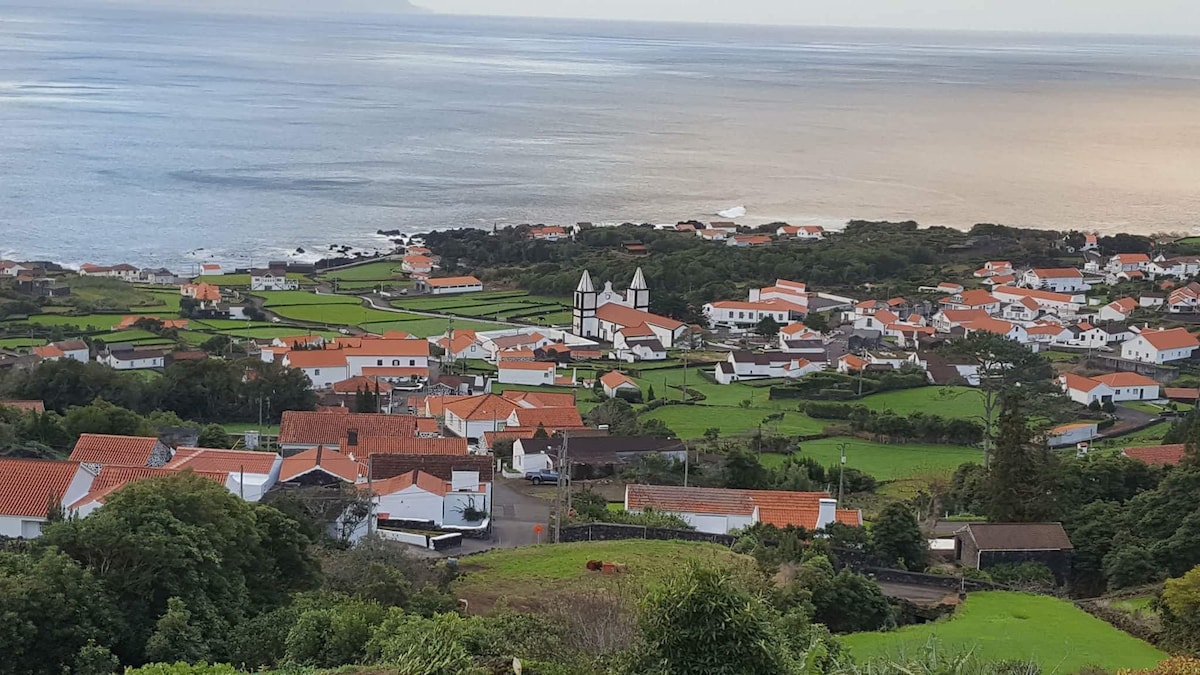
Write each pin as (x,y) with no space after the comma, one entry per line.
(172,137)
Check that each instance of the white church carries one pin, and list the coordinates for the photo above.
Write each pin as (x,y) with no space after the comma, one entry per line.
(607,315)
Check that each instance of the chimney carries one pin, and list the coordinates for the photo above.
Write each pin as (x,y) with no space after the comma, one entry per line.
(827,513)
(352,437)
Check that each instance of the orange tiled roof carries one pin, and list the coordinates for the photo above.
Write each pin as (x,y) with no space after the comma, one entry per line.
(25,406)
(1057,273)
(113,478)
(1175,338)
(405,446)
(550,418)
(424,481)
(453,281)
(314,428)
(613,379)
(427,425)
(1126,380)
(328,460)
(316,358)
(482,407)
(1158,455)
(28,485)
(1079,382)
(1123,305)
(385,347)
(113,450)
(527,365)
(229,461)
(362,383)
(627,316)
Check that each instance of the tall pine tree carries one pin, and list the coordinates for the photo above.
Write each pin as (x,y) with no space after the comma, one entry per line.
(1021,475)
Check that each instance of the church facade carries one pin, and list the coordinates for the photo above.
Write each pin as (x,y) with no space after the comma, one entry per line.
(601,315)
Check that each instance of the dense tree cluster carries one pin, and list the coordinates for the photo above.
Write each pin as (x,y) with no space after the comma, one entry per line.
(209,390)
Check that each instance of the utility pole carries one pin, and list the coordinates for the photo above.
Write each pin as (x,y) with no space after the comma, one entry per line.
(562,489)
(841,473)
(687,456)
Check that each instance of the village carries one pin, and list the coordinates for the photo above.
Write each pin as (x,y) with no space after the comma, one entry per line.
(455,417)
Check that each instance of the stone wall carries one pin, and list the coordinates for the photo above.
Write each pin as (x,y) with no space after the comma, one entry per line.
(613,532)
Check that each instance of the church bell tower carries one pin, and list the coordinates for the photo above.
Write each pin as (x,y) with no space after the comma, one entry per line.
(583,320)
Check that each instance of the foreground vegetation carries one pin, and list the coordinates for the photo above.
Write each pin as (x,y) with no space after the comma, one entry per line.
(1016,626)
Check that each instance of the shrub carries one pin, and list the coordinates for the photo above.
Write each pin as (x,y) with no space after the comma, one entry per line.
(1026,574)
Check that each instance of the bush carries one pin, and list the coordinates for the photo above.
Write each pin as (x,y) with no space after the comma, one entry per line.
(1027,574)
(183,669)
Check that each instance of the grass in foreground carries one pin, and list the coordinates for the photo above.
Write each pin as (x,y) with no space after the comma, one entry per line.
(956,402)
(884,461)
(691,421)
(528,575)
(1006,626)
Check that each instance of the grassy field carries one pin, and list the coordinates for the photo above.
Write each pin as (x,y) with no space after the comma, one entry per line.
(293,298)
(884,462)
(339,314)
(524,576)
(1151,435)
(492,305)
(20,343)
(98,321)
(426,326)
(959,402)
(690,421)
(1005,626)
(383,270)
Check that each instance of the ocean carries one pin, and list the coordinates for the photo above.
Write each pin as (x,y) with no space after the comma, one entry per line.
(173,138)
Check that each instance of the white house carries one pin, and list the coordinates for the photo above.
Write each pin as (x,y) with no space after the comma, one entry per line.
(210,270)
(269,280)
(417,496)
(416,264)
(530,373)
(614,382)
(1128,262)
(972,299)
(1160,346)
(744,365)
(1063,304)
(1179,267)
(451,285)
(1114,387)
(1056,279)
(27,487)
(323,367)
(76,350)
(1071,434)
(1118,310)
(806,232)
(741,314)
(465,345)
(1184,300)
(994,267)
(9,268)
(721,511)
(251,473)
(133,359)
(638,343)
(474,416)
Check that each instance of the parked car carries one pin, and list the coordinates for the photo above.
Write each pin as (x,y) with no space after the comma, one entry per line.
(540,477)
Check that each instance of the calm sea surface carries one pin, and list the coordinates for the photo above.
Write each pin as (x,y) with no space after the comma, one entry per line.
(142,136)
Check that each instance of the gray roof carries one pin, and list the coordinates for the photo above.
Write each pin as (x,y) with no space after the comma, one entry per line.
(1018,536)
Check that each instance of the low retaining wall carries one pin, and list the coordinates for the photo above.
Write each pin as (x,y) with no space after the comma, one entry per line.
(433,542)
(612,532)
(949,583)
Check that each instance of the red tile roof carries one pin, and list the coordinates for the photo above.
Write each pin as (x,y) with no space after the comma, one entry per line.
(538,399)
(113,450)
(453,281)
(627,316)
(28,485)
(1181,393)
(113,478)
(384,347)
(1158,455)
(329,460)
(775,507)
(1057,273)
(314,428)
(1126,380)
(362,383)
(549,418)
(1079,382)
(483,407)
(422,480)
(972,298)
(317,358)
(25,406)
(229,461)
(48,352)
(527,365)
(1123,305)
(1175,338)
(1035,293)
(405,446)
(613,379)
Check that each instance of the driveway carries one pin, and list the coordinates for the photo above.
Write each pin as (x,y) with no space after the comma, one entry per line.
(515,514)
(1128,420)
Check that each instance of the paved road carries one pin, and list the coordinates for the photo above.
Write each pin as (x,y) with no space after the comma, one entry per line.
(1128,420)
(515,514)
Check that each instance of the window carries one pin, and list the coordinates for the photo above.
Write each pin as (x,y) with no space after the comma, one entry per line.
(316,371)
(412,362)
(395,362)
(379,362)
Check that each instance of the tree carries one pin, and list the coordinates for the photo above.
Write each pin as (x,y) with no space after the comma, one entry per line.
(767,327)
(817,321)
(1180,611)
(1019,482)
(702,622)
(896,537)
(187,537)
(1003,365)
(214,436)
(175,638)
(53,609)
(102,417)
(650,394)
(743,471)
(334,634)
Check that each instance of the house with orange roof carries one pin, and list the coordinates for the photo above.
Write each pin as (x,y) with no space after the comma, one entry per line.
(469,417)
(745,314)
(1047,333)
(210,270)
(615,382)
(418,497)
(451,285)
(540,399)
(1012,331)
(1112,387)
(464,345)
(993,268)
(547,233)
(1124,263)
(494,344)
(206,295)
(553,420)
(27,487)
(638,343)
(748,240)
(1184,300)
(802,232)
(948,319)
(76,350)
(1063,304)
(1160,346)
(322,367)
(972,299)
(721,511)
(850,363)
(1158,455)
(305,430)
(600,315)
(1091,242)
(251,473)
(1056,279)
(528,373)
(1000,280)
(321,466)
(112,479)
(112,450)
(417,264)
(1118,310)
